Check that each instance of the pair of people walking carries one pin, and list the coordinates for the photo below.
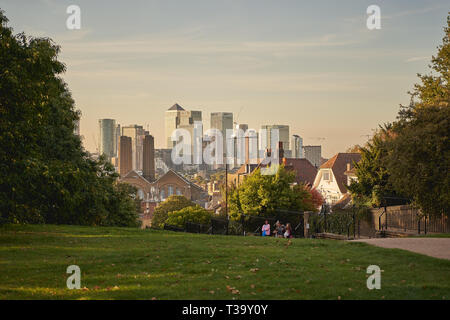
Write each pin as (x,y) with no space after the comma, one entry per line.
(280,231)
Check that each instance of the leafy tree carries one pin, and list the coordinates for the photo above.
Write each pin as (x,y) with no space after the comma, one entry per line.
(373,185)
(45,174)
(194,214)
(173,203)
(262,195)
(419,157)
(354,149)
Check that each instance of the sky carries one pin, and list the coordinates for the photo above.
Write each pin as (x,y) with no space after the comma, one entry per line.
(312,65)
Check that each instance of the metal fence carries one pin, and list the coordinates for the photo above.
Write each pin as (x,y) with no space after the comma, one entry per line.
(408,219)
(341,223)
(246,225)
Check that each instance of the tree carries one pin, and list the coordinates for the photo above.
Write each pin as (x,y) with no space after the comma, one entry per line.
(173,203)
(195,214)
(373,186)
(354,149)
(419,159)
(45,174)
(419,156)
(262,195)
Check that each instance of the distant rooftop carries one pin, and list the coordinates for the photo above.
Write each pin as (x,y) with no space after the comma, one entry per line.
(177,107)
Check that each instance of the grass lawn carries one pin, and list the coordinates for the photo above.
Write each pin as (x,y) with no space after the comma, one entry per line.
(124,263)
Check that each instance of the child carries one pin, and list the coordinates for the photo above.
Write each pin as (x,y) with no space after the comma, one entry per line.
(288,233)
(266,229)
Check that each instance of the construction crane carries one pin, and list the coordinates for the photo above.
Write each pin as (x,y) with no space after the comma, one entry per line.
(96,144)
(235,122)
(317,138)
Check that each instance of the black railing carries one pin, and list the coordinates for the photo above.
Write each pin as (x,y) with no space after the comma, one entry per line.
(341,223)
(247,224)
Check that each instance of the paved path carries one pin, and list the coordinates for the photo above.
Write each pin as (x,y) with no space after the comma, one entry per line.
(435,247)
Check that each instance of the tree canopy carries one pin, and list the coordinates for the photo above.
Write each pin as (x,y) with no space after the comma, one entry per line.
(411,156)
(172,203)
(45,174)
(195,214)
(263,195)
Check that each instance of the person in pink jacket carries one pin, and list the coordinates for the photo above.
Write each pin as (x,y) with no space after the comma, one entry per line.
(266,229)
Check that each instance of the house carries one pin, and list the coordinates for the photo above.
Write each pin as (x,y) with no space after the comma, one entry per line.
(334,175)
(171,183)
(304,171)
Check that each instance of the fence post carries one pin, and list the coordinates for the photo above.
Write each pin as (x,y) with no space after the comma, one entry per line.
(306,224)
(418,224)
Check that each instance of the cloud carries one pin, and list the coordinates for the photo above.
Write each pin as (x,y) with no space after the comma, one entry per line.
(413,59)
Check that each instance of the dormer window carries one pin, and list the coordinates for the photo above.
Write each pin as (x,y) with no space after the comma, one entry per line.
(326,176)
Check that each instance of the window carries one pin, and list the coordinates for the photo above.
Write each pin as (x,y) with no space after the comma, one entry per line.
(326,176)
(170,190)
(163,195)
(179,192)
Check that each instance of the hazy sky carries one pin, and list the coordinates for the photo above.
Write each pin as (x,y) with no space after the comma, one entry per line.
(312,65)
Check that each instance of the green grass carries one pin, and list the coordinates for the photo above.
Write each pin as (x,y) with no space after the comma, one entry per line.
(124,263)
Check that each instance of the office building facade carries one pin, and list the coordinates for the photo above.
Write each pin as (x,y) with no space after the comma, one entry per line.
(107,138)
(313,154)
(136,133)
(125,163)
(297,147)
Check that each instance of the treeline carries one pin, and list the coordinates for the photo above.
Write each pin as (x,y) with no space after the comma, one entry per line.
(45,174)
(409,159)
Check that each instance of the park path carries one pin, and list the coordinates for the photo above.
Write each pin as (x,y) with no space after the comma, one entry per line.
(434,247)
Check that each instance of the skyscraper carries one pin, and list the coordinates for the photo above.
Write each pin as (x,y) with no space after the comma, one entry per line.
(222,121)
(149,158)
(136,133)
(107,138)
(125,155)
(313,154)
(296,146)
(178,118)
(283,136)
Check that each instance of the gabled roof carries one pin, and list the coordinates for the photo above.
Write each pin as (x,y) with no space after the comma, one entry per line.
(176,107)
(305,172)
(338,164)
(180,177)
(344,202)
(136,175)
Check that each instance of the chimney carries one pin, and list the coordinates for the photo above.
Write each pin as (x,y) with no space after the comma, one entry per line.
(280,151)
(247,149)
(348,166)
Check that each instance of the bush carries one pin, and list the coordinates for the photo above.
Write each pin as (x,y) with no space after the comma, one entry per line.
(173,203)
(195,214)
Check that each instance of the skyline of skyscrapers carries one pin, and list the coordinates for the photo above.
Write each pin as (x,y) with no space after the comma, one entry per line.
(176,117)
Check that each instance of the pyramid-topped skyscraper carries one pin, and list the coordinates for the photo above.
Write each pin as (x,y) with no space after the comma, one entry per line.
(177,117)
